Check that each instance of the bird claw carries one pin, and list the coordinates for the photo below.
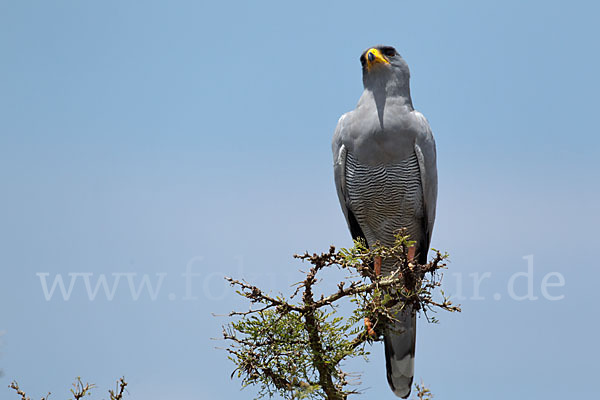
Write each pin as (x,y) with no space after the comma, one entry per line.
(369,326)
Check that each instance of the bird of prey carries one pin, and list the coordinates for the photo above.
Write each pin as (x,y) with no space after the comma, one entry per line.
(386,179)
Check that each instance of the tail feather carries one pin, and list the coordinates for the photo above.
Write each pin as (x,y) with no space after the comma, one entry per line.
(399,343)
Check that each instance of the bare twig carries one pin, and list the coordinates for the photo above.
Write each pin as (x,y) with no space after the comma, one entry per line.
(117,394)
(79,390)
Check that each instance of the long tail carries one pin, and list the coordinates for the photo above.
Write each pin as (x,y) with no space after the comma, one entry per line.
(400,353)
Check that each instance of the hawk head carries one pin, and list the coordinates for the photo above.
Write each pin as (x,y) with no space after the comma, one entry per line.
(382,65)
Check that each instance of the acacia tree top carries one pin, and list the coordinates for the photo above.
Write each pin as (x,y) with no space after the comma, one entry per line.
(294,345)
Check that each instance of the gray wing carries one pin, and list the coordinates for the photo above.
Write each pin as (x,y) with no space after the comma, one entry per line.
(339,165)
(426,154)
(339,175)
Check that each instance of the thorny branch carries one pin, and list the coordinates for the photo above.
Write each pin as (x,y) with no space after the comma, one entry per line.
(296,349)
(79,390)
(117,394)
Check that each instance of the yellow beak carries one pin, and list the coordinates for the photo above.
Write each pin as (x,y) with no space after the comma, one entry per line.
(374,56)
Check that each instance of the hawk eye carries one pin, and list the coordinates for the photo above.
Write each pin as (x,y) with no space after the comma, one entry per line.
(388,51)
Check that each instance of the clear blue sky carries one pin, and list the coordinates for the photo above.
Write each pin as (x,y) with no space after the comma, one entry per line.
(142,137)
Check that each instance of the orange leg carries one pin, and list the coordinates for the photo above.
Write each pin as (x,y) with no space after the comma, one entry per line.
(411,253)
(377,265)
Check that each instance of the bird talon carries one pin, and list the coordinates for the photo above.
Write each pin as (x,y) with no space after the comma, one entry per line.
(369,326)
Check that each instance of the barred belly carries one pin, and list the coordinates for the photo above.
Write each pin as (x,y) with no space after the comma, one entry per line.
(385,199)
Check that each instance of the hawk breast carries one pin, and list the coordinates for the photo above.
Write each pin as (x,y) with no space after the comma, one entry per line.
(386,198)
